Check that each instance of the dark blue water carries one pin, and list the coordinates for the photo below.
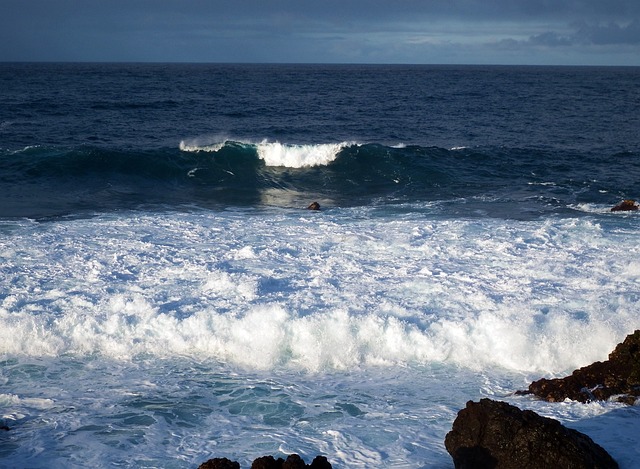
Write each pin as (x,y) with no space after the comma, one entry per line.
(515,142)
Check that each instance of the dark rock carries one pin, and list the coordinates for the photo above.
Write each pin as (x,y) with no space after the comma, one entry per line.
(618,377)
(267,462)
(491,434)
(625,206)
(294,461)
(4,427)
(320,462)
(314,206)
(219,463)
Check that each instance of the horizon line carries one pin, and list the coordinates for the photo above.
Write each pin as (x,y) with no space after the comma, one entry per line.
(416,64)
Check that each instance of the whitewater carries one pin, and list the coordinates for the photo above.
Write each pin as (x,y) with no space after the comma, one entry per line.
(341,332)
(279,154)
(166,298)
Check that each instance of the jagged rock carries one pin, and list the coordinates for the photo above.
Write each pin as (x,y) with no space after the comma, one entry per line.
(219,463)
(618,377)
(267,462)
(625,205)
(293,461)
(314,206)
(497,435)
(320,462)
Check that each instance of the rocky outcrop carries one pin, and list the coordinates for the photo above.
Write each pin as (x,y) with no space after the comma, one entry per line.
(492,434)
(625,206)
(293,461)
(617,378)
(219,463)
(267,462)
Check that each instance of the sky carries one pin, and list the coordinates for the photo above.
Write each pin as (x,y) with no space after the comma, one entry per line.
(530,32)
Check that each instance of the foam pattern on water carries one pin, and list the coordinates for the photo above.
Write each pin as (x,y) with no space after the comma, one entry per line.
(319,291)
(161,340)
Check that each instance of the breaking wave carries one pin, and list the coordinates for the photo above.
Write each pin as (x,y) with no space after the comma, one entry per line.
(279,154)
(502,182)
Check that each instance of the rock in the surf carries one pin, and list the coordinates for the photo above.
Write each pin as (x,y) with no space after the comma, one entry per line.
(219,463)
(293,461)
(492,434)
(320,462)
(314,206)
(267,462)
(617,378)
(625,206)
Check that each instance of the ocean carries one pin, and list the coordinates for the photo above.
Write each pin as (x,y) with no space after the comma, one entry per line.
(166,298)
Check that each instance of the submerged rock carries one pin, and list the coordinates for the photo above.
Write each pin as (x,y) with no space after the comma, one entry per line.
(492,434)
(618,377)
(625,205)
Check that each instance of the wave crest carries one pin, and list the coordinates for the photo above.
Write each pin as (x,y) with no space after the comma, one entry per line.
(299,156)
(277,154)
(195,148)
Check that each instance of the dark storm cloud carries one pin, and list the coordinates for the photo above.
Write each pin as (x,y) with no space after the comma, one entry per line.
(550,39)
(611,33)
(585,34)
(308,30)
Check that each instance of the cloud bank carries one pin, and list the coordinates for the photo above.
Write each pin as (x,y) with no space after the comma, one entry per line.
(406,31)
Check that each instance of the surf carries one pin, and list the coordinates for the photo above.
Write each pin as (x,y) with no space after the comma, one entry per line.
(278,154)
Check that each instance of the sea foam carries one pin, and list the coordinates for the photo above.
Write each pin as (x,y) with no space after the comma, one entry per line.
(274,153)
(299,156)
(194,146)
(528,297)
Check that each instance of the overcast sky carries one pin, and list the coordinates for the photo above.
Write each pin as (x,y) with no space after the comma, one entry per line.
(556,32)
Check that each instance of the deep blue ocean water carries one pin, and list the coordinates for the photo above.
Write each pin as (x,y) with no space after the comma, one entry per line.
(166,298)
(93,138)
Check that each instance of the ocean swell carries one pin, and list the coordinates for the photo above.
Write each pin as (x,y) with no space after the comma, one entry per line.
(41,181)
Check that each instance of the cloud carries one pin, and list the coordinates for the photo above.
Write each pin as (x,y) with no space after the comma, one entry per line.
(609,34)
(583,34)
(418,31)
(550,39)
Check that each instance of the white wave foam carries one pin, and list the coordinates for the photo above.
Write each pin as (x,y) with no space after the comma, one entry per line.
(535,296)
(271,336)
(27,149)
(194,147)
(596,208)
(276,153)
(7,400)
(299,156)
